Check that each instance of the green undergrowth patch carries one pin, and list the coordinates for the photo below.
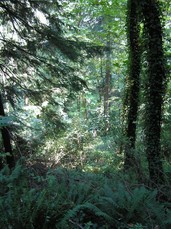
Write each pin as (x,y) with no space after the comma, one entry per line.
(62,198)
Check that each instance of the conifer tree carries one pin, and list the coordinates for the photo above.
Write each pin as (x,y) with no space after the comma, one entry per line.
(36,55)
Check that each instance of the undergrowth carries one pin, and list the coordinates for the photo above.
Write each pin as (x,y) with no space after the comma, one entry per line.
(71,199)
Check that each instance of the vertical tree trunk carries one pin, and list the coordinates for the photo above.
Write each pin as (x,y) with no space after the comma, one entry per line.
(99,78)
(84,105)
(6,139)
(107,87)
(78,104)
(155,89)
(132,81)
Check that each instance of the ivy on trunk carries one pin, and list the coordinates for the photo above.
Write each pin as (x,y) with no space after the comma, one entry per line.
(133,79)
(155,88)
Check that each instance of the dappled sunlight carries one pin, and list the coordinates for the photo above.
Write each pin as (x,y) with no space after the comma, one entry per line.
(85,114)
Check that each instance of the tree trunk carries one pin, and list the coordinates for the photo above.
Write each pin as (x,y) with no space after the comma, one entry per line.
(107,87)
(84,106)
(132,82)
(6,139)
(155,89)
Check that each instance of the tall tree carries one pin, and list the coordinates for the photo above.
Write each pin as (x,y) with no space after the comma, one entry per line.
(107,80)
(133,81)
(38,56)
(155,88)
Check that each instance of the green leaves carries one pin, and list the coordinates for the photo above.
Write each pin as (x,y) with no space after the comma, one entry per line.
(66,199)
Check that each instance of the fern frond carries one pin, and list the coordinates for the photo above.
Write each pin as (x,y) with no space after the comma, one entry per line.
(73,213)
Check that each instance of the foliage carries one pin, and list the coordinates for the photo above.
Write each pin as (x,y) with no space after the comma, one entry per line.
(5,121)
(55,57)
(38,66)
(71,199)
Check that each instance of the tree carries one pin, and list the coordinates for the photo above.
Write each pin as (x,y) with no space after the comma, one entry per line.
(155,89)
(133,81)
(107,86)
(37,57)
(155,82)
(103,23)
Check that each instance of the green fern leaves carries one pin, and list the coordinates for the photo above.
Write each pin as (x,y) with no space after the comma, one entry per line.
(70,199)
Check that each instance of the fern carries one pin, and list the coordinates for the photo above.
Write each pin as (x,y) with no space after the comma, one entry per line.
(66,199)
(168,220)
(88,207)
(136,206)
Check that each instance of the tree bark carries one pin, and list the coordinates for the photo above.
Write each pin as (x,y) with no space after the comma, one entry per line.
(6,139)
(133,84)
(107,87)
(84,106)
(155,89)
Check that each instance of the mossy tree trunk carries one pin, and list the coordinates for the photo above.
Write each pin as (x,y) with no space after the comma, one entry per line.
(133,82)
(155,89)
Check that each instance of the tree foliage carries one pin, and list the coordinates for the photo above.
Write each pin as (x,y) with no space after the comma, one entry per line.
(85,114)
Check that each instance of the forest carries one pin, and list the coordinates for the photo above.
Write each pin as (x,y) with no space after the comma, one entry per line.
(85,114)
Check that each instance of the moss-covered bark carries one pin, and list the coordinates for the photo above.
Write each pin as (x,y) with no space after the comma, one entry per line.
(133,84)
(155,88)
